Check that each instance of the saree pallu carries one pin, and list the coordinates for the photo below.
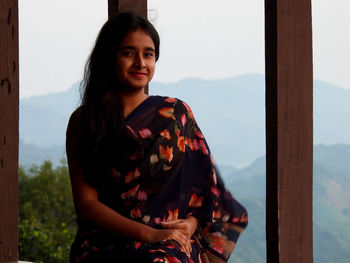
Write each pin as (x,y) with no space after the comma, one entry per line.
(176,178)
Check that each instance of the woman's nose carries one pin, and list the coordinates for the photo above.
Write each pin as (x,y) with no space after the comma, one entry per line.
(139,61)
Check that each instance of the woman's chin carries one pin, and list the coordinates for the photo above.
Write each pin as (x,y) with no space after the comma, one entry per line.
(135,87)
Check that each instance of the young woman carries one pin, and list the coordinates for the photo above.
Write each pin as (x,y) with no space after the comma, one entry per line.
(144,182)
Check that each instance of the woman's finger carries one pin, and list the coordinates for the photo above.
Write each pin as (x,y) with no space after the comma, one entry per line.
(176,221)
(187,243)
(185,246)
(183,227)
(173,222)
(187,226)
(175,225)
(184,241)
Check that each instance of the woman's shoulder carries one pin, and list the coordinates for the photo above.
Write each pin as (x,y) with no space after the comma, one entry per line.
(78,114)
(77,118)
(75,122)
(74,131)
(180,106)
(172,102)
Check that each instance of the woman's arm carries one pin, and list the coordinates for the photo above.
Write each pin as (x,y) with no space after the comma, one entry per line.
(88,206)
(187,226)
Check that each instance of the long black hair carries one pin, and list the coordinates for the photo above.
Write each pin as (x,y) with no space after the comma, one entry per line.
(103,138)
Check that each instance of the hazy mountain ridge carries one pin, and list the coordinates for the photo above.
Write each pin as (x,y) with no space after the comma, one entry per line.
(30,154)
(43,119)
(230,112)
(331,206)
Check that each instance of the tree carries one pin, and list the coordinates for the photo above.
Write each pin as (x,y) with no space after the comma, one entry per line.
(47,223)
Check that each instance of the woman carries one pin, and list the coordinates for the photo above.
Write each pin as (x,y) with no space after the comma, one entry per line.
(144,183)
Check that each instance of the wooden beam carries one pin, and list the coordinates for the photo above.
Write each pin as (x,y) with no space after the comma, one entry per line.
(136,6)
(289,130)
(8,130)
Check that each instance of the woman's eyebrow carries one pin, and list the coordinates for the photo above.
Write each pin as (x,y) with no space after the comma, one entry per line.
(128,47)
(134,48)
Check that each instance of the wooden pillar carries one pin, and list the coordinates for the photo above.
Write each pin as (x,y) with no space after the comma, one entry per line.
(136,6)
(8,130)
(289,130)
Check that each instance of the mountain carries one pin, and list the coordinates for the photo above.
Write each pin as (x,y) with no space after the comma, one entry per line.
(331,114)
(30,155)
(331,206)
(43,119)
(229,111)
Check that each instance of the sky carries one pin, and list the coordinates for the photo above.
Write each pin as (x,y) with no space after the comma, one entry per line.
(198,39)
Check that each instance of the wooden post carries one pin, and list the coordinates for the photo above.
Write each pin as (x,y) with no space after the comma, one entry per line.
(289,130)
(8,130)
(136,6)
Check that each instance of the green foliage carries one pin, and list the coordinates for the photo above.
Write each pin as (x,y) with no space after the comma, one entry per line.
(46,214)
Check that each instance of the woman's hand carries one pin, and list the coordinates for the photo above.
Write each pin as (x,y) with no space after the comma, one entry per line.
(180,230)
(187,226)
(175,234)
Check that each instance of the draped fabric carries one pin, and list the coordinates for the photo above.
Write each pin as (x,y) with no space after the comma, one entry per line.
(175,177)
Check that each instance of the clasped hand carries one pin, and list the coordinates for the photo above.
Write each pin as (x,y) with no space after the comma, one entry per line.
(180,230)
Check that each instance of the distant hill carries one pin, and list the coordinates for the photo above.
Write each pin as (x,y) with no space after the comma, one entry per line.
(30,154)
(229,111)
(43,119)
(331,206)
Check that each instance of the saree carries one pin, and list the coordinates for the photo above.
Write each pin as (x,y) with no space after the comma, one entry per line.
(176,177)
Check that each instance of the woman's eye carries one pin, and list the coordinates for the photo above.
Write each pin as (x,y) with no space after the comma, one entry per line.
(149,54)
(127,53)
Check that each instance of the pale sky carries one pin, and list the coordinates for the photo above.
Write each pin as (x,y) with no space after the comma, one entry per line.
(199,38)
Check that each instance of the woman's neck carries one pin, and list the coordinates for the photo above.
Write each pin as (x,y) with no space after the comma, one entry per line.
(131,100)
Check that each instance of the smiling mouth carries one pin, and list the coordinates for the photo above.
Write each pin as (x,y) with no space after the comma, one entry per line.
(138,74)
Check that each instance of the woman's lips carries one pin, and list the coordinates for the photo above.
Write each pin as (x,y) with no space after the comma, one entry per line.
(138,74)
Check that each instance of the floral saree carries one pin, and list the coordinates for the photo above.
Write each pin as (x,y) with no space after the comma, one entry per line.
(176,178)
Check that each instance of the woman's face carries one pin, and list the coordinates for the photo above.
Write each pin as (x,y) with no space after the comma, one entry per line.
(135,60)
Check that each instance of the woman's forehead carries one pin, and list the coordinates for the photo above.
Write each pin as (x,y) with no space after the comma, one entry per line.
(138,38)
